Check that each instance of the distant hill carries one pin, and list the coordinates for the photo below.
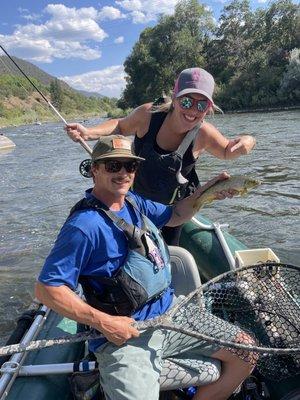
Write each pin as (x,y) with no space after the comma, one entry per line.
(90,94)
(21,104)
(7,67)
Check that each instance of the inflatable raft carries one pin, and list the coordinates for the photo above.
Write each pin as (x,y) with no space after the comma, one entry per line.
(6,143)
(43,374)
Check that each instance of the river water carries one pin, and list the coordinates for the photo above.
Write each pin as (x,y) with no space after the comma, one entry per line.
(40,181)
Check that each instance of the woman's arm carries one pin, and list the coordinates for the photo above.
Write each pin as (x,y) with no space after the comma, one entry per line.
(210,139)
(134,123)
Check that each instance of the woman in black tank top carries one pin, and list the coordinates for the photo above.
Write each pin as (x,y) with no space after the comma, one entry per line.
(171,136)
(155,179)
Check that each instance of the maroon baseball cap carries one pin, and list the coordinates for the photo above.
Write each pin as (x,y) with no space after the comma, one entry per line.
(194,80)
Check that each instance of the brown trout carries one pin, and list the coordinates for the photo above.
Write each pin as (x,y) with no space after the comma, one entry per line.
(241,184)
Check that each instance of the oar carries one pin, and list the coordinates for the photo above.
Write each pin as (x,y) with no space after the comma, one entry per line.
(81,141)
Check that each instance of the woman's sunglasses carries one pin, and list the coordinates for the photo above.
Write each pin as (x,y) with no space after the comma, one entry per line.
(112,166)
(186,103)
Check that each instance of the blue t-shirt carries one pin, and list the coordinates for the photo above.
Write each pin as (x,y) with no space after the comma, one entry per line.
(90,244)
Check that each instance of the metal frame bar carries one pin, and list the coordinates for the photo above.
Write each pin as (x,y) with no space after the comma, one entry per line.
(17,360)
(47,369)
(218,231)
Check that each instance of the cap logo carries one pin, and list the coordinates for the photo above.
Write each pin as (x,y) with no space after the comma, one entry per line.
(119,143)
(196,75)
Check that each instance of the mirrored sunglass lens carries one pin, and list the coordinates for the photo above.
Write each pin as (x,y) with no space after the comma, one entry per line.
(202,105)
(186,102)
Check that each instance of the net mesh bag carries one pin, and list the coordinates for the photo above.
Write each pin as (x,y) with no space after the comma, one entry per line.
(264,300)
(253,311)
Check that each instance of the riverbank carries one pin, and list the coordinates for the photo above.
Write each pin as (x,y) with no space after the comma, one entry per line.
(40,121)
(263,110)
(73,117)
(118,113)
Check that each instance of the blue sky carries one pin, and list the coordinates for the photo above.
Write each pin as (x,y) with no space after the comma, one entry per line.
(84,42)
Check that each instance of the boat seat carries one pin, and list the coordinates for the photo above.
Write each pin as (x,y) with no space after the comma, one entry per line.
(185,278)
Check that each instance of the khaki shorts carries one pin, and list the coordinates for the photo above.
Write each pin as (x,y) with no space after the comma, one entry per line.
(132,371)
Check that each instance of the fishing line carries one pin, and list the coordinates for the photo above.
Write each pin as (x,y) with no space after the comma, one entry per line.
(81,141)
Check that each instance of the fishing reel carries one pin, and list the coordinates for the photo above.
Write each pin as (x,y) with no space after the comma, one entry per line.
(85,168)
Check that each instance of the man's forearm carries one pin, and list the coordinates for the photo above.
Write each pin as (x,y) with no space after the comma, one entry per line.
(65,302)
(116,329)
(183,211)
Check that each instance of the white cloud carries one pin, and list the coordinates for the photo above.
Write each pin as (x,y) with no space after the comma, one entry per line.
(109,81)
(108,12)
(262,1)
(25,13)
(61,12)
(66,33)
(22,10)
(131,5)
(143,11)
(31,17)
(32,50)
(119,39)
(139,17)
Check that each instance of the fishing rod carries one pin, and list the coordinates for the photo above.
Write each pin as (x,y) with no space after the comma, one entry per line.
(81,141)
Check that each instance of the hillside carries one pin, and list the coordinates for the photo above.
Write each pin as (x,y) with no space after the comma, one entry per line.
(7,67)
(20,103)
(90,94)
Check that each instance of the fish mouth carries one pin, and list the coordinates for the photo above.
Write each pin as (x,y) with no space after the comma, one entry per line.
(251,183)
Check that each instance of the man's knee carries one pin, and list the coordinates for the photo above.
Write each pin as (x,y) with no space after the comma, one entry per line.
(248,356)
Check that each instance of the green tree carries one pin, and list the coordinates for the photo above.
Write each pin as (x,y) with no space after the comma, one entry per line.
(290,83)
(176,42)
(56,94)
(250,74)
(228,51)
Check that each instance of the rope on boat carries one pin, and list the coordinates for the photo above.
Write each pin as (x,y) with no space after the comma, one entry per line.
(90,335)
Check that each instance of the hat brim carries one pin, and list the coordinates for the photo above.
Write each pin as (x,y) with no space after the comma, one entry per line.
(193,90)
(114,156)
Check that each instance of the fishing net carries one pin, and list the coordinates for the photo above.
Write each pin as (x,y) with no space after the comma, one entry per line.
(253,311)
(255,307)
(264,300)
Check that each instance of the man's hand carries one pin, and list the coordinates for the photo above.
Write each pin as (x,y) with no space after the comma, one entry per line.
(117,329)
(230,192)
(76,131)
(185,209)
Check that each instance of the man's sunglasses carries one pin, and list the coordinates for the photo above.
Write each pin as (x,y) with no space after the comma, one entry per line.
(186,103)
(116,165)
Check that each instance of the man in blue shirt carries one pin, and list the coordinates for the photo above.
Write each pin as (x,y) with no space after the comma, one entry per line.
(92,245)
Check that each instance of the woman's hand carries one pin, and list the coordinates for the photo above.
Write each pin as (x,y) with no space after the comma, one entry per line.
(76,131)
(239,146)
